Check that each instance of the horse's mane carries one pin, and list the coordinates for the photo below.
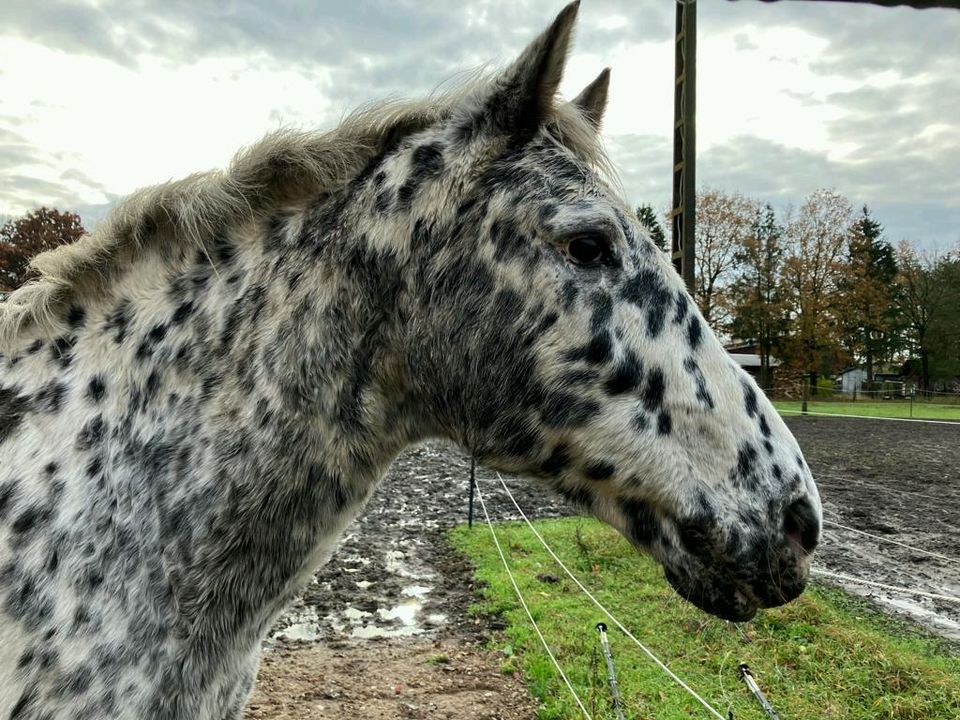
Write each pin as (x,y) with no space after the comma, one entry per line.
(284,167)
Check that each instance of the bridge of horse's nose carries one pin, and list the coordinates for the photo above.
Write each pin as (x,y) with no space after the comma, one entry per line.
(801,524)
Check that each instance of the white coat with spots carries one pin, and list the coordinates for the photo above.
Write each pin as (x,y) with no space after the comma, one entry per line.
(197,398)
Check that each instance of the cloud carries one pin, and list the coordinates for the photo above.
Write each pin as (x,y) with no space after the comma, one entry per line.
(861,101)
(643,164)
(22,188)
(15,151)
(328,33)
(79,177)
(914,200)
(862,39)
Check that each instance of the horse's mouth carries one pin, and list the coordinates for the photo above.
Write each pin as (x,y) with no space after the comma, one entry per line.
(726,600)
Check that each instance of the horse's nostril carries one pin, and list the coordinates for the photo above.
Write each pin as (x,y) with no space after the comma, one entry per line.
(802,524)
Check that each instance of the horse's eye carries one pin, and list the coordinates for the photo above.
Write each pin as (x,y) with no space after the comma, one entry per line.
(586,250)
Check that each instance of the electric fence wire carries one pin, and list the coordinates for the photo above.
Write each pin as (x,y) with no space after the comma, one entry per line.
(523,603)
(937,555)
(833,482)
(870,417)
(884,586)
(816,571)
(604,610)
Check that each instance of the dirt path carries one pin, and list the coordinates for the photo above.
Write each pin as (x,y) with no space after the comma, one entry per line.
(391,606)
(415,678)
(393,600)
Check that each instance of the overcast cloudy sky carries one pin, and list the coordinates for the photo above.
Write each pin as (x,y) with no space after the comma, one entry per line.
(98,98)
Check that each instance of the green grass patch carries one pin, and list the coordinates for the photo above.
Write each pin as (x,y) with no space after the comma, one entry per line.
(826,655)
(893,408)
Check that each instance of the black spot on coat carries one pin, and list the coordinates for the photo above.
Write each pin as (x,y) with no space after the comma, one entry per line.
(76,316)
(96,389)
(13,406)
(50,397)
(654,390)
(626,376)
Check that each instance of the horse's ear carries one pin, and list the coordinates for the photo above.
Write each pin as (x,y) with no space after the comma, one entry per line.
(592,100)
(525,91)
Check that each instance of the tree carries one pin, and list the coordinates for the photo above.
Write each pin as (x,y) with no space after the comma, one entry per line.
(945,324)
(648,218)
(723,223)
(758,302)
(867,310)
(931,290)
(816,236)
(35,232)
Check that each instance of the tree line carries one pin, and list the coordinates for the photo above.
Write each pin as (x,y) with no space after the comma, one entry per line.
(820,288)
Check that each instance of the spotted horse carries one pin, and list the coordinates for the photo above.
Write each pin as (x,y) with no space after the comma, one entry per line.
(199,396)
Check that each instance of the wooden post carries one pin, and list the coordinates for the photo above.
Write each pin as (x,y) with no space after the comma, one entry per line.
(683,220)
(473,480)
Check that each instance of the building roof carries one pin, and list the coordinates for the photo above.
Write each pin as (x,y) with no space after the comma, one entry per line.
(748,360)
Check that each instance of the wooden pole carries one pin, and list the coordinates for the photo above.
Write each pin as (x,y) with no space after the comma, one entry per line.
(683,220)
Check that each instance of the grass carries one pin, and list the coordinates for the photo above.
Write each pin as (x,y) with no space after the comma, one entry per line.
(826,655)
(895,409)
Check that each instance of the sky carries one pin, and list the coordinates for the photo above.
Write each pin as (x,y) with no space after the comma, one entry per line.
(100,97)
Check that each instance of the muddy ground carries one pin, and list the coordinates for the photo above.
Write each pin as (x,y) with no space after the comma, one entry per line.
(383,632)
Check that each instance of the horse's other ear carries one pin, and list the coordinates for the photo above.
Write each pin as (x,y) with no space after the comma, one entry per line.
(525,91)
(592,100)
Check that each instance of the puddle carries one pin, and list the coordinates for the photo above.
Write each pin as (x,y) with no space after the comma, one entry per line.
(417,591)
(945,626)
(351,613)
(396,565)
(306,627)
(404,619)
(405,612)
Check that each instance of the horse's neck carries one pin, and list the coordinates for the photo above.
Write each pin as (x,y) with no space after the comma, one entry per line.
(249,401)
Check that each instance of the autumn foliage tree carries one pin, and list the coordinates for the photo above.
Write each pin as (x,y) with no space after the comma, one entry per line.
(724,221)
(24,237)
(816,237)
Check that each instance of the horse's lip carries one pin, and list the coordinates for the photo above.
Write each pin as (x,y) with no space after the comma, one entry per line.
(739,612)
(739,606)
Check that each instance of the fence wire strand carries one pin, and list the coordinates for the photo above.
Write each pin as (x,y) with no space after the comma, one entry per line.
(869,417)
(937,555)
(884,586)
(516,589)
(613,619)
(604,610)
(840,483)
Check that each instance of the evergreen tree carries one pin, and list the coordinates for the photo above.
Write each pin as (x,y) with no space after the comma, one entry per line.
(930,293)
(648,218)
(868,311)
(945,325)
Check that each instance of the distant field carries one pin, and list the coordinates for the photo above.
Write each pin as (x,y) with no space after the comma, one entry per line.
(826,655)
(894,408)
